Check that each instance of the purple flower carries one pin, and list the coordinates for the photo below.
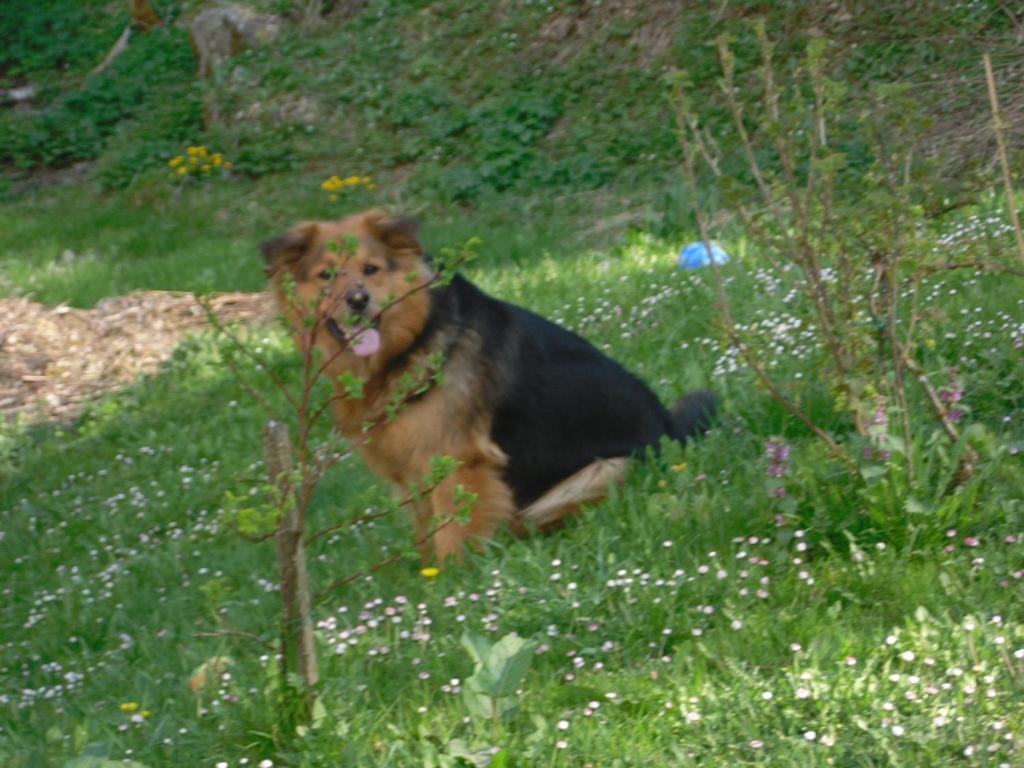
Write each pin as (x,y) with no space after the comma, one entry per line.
(948,395)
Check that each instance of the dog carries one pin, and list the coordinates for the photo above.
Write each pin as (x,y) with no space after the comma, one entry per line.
(537,418)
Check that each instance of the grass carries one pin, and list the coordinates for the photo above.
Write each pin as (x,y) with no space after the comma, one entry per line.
(54,248)
(705,614)
(692,618)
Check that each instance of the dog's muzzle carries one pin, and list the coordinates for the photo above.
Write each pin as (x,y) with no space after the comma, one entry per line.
(357,299)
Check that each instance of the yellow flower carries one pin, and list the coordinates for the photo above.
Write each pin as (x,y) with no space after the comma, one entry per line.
(182,170)
(146,713)
(679,467)
(207,169)
(336,183)
(218,158)
(430,573)
(228,165)
(129,706)
(174,162)
(332,184)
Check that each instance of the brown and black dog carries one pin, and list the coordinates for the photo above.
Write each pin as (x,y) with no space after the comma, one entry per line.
(539,420)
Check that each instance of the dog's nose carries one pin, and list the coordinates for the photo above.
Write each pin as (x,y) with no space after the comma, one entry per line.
(357,299)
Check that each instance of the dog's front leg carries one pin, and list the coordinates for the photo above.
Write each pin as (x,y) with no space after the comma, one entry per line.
(422,514)
(476,489)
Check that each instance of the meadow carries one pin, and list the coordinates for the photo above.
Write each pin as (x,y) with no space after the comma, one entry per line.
(700,615)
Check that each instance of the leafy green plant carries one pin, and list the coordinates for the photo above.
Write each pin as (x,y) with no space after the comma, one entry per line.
(855,246)
(278,508)
(498,671)
(80,124)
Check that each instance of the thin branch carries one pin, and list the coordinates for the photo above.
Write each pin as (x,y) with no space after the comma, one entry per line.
(254,538)
(367,517)
(997,123)
(726,311)
(262,364)
(238,633)
(378,565)
(119,47)
(983,266)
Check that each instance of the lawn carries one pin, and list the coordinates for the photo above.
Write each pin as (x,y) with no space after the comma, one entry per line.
(731,604)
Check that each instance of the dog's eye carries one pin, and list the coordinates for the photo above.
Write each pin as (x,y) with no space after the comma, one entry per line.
(371,269)
(327,274)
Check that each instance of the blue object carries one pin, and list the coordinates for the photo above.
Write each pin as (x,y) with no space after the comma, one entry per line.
(695,256)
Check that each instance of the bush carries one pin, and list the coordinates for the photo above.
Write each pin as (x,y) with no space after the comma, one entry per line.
(146,79)
(52,36)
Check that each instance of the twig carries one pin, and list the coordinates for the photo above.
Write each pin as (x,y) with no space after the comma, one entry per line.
(726,311)
(367,517)
(220,327)
(990,266)
(997,123)
(237,633)
(379,564)
(119,47)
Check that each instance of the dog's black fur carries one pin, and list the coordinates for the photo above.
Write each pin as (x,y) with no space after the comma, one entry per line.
(539,421)
(558,403)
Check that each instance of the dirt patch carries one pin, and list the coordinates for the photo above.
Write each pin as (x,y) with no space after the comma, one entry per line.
(54,359)
(654,26)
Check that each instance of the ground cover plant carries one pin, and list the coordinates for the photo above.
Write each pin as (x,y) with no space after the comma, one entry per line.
(697,592)
(749,599)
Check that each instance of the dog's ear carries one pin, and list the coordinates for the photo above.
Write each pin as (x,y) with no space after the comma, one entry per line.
(288,248)
(399,233)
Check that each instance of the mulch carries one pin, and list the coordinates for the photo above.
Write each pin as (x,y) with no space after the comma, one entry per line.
(55,359)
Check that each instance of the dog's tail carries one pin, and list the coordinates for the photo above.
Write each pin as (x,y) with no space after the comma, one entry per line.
(694,414)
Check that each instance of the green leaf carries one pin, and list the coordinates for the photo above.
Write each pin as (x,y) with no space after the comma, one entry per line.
(478,756)
(872,472)
(101,762)
(480,705)
(352,385)
(505,666)
(914,507)
(476,646)
(318,714)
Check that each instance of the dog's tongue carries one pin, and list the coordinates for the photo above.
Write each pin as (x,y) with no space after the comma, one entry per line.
(367,342)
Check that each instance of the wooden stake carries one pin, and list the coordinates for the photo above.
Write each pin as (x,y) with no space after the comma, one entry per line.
(298,645)
(997,121)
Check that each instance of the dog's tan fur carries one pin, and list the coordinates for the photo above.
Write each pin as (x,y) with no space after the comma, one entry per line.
(449,419)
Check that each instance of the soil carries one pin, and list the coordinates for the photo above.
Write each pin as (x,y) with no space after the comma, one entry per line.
(55,359)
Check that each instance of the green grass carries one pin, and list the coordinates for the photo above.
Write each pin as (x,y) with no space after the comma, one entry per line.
(72,245)
(695,617)
(852,630)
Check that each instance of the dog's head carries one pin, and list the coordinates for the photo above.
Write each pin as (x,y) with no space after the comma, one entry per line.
(356,286)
